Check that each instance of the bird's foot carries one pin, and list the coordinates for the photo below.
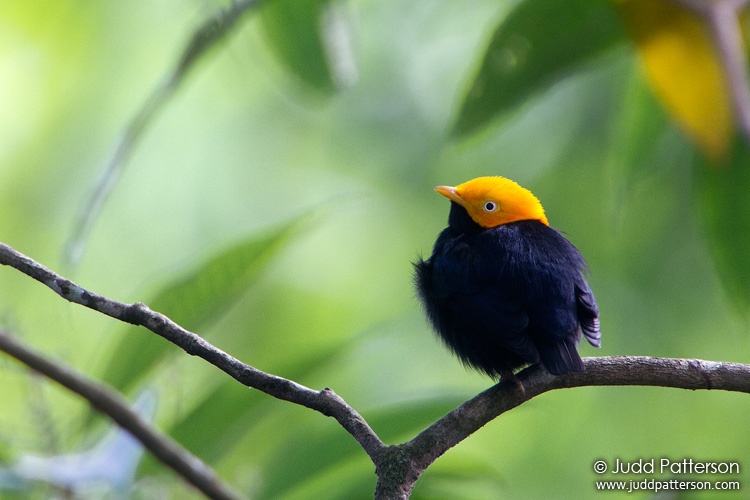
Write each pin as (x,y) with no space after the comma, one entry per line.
(511,378)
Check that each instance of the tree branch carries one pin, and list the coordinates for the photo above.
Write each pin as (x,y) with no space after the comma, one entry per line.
(406,462)
(114,406)
(399,466)
(203,39)
(722,17)
(325,401)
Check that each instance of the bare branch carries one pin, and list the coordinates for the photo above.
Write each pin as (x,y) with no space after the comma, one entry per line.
(416,455)
(203,39)
(725,27)
(326,401)
(399,466)
(115,407)
(722,17)
(616,370)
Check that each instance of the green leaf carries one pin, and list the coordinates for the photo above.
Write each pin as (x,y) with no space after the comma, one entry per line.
(308,454)
(465,478)
(302,33)
(724,205)
(639,132)
(539,42)
(643,145)
(216,424)
(195,299)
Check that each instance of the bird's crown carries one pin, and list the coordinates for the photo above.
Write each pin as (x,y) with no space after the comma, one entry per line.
(493,201)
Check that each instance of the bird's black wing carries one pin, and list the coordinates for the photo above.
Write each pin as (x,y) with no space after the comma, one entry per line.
(588,313)
(557,300)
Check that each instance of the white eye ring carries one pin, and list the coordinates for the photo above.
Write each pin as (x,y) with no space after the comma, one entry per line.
(490,206)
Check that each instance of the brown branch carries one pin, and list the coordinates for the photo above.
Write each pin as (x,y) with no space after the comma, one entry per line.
(722,17)
(399,466)
(325,401)
(406,462)
(115,407)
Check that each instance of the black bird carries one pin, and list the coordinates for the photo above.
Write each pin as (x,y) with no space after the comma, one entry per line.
(503,289)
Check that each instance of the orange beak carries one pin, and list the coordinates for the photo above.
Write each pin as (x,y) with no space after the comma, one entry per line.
(451,193)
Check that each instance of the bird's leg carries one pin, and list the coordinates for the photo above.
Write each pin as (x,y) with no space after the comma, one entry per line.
(511,377)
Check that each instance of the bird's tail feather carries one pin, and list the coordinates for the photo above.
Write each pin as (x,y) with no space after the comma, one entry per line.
(561,357)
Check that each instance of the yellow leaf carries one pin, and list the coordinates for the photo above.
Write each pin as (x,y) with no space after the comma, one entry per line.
(683,69)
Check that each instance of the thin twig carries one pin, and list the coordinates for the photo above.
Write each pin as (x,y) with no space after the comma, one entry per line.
(722,17)
(325,401)
(115,407)
(725,27)
(203,39)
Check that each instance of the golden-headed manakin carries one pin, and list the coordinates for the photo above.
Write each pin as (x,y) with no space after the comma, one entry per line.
(502,288)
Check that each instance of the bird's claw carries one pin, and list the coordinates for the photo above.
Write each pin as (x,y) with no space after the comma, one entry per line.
(512,379)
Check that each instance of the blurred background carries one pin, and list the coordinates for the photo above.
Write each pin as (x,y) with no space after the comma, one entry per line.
(276,201)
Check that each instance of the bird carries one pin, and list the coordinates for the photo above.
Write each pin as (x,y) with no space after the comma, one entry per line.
(502,289)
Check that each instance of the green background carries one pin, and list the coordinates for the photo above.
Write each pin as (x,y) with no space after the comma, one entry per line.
(275,206)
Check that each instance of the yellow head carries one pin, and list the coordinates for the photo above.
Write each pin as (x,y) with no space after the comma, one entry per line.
(492,201)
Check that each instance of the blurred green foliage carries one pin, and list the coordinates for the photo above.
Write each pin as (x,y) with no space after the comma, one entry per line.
(539,40)
(199,226)
(296,30)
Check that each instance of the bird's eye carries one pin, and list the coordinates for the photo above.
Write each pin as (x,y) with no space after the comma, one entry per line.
(490,206)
